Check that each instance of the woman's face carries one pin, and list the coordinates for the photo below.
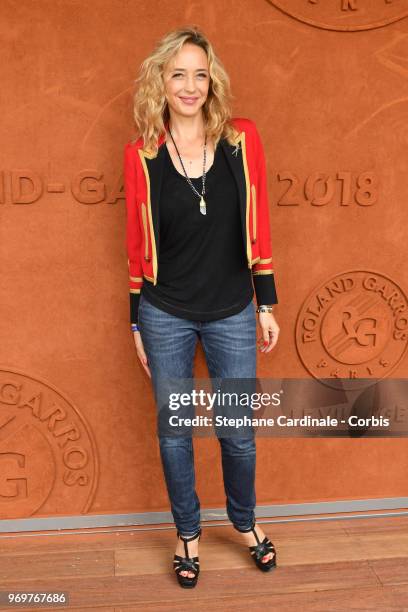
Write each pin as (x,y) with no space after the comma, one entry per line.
(186,80)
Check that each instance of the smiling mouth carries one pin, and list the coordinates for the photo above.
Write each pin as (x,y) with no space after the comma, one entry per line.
(188,100)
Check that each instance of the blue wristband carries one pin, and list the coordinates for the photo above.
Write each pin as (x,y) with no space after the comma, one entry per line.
(134,327)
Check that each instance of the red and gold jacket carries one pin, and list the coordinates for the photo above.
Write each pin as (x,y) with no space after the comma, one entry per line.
(143,175)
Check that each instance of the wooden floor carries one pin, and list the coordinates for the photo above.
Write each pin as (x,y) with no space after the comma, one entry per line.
(344,564)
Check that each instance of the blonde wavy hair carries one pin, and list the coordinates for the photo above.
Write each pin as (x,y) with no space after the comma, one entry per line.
(151,110)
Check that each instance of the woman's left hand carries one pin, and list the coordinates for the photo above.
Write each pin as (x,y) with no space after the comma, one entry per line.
(270,331)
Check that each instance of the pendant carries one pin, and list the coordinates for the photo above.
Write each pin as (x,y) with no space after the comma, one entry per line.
(203,208)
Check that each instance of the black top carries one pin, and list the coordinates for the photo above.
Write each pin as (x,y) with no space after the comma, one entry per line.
(203,272)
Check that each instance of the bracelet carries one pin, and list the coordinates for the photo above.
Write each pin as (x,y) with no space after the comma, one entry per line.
(265,308)
(134,327)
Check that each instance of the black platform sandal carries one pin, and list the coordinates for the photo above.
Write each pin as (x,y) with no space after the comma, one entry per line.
(187,564)
(261,550)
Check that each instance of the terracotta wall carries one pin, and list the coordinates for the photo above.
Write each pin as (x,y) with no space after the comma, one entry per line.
(327,84)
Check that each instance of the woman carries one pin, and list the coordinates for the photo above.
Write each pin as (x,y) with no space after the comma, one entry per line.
(198,244)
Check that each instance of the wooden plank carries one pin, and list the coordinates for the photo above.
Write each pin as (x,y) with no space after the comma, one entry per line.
(400,595)
(366,599)
(229,551)
(142,589)
(29,568)
(321,567)
(377,525)
(391,571)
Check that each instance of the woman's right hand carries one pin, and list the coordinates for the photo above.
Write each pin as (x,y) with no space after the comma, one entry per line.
(141,352)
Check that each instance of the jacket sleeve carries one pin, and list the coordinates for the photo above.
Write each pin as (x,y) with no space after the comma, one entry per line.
(262,272)
(133,234)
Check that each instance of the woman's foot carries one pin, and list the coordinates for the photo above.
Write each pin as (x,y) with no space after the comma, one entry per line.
(192,548)
(250,540)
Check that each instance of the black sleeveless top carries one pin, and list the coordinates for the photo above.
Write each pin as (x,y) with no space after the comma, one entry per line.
(203,272)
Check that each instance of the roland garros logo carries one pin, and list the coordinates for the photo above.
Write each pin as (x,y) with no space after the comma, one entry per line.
(344,15)
(48,458)
(353,326)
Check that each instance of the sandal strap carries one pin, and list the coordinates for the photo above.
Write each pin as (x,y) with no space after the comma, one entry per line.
(182,564)
(252,528)
(179,558)
(263,549)
(266,543)
(188,539)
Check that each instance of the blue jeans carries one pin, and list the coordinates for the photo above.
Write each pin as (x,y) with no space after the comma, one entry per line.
(229,345)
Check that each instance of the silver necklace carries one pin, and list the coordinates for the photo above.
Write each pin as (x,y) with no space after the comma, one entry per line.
(203,207)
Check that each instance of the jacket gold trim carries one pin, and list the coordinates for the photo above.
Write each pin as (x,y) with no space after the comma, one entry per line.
(262,272)
(143,155)
(253,190)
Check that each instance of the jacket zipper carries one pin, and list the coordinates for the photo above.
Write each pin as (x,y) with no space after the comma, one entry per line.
(144,219)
